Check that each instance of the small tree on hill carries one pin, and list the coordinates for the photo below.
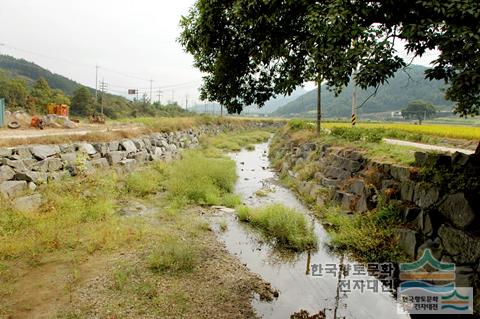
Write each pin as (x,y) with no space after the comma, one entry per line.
(419,110)
(42,94)
(82,102)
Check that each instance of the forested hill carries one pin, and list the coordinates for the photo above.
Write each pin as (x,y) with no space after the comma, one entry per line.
(405,87)
(31,72)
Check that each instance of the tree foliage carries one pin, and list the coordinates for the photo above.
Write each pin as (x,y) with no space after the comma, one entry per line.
(83,103)
(251,50)
(419,110)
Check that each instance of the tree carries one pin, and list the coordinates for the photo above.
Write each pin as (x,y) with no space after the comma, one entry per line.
(42,94)
(15,92)
(251,50)
(419,110)
(82,102)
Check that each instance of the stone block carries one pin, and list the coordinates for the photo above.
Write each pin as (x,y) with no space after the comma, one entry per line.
(115,157)
(128,146)
(100,163)
(6,173)
(400,173)
(357,187)
(113,146)
(43,151)
(457,209)
(425,195)
(13,189)
(30,176)
(407,189)
(6,152)
(87,148)
(408,240)
(464,248)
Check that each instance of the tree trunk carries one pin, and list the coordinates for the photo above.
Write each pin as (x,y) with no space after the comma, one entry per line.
(319,106)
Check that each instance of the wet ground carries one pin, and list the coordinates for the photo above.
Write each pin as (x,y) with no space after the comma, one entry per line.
(292,273)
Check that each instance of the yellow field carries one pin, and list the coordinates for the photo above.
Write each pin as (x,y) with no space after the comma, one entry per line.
(449,131)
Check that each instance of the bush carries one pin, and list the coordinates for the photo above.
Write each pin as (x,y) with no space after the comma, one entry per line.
(298,124)
(288,227)
(174,255)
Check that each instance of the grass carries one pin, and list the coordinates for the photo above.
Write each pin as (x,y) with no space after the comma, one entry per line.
(288,227)
(174,256)
(368,237)
(228,142)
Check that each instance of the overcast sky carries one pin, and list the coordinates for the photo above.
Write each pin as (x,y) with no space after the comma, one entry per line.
(131,41)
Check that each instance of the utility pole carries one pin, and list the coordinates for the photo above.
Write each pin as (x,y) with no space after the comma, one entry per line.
(159,95)
(96,83)
(186,102)
(221,110)
(103,88)
(319,105)
(1,45)
(151,87)
(173,96)
(354,101)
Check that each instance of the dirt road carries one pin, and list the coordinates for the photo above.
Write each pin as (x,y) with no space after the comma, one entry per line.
(428,146)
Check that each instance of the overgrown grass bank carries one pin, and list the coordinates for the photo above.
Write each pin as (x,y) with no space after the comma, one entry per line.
(286,226)
(368,237)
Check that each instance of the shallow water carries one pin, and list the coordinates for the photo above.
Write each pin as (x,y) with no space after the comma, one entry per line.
(290,273)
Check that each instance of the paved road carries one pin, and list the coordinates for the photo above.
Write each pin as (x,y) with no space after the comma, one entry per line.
(428,146)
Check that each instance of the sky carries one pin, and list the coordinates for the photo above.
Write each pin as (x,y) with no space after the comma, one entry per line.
(132,42)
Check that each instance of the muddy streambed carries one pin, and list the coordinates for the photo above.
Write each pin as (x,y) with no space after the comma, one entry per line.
(291,273)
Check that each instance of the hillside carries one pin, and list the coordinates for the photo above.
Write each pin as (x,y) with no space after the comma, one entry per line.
(406,86)
(31,72)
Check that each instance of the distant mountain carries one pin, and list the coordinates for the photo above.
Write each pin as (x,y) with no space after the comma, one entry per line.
(31,72)
(270,106)
(403,88)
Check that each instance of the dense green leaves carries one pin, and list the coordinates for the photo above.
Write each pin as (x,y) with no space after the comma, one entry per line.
(419,110)
(251,50)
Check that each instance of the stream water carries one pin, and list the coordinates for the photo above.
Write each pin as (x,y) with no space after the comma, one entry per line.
(292,273)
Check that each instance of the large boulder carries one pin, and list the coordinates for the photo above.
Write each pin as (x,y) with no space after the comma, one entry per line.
(6,173)
(464,248)
(115,157)
(6,152)
(407,240)
(458,210)
(13,188)
(87,148)
(43,151)
(100,163)
(29,176)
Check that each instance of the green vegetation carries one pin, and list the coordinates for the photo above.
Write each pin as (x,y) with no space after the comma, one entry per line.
(288,227)
(174,255)
(234,143)
(419,110)
(369,237)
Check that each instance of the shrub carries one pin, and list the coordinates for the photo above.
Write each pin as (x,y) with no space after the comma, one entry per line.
(298,124)
(173,255)
(288,227)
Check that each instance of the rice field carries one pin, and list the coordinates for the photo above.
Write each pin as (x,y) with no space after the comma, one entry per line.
(447,131)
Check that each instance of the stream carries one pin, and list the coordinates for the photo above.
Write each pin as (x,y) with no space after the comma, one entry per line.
(291,274)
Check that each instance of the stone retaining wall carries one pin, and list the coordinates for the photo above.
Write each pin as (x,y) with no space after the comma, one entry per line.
(439,197)
(23,168)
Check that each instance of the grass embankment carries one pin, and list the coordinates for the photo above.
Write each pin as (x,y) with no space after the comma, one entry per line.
(90,227)
(286,226)
(368,237)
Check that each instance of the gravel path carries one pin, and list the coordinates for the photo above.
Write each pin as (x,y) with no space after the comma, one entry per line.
(427,146)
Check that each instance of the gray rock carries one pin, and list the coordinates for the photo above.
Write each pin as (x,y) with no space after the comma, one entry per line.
(156,154)
(100,163)
(87,148)
(464,276)
(435,249)
(329,182)
(420,158)
(113,146)
(141,156)
(464,248)
(407,240)
(357,187)
(400,173)
(22,153)
(6,173)
(13,188)
(17,165)
(128,146)
(67,148)
(101,148)
(6,152)
(29,203)
(426,195)
(460,159)
(458,210)
(44,151)
(407,189)
(32,186)
(70,158)
(53,164)
(115,157)
(29,176)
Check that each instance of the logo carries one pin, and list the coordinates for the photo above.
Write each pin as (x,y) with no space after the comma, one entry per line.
(428,287)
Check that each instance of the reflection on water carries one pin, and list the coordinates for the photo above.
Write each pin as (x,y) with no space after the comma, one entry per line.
(291,273)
